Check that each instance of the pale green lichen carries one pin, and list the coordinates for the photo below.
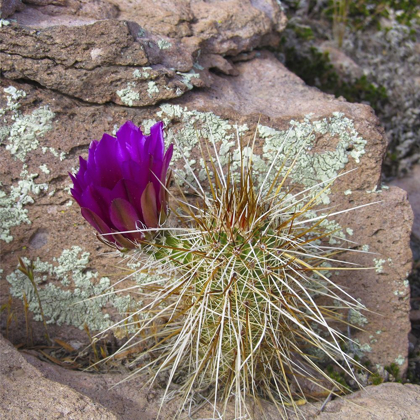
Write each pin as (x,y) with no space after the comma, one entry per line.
(12,96)
(143,73)
(312,168)
(61,305)
(349,231)
(4,22)
(187,77)
(400,360)
(357,318)
(12,203)
(405,285)
(379,265)
(360,349)
(127,95)
(163,44)
(44,168)
(56,153)
(195,125)
(347,192)
(152,88)
(365,248)
(22,136)
(147,124)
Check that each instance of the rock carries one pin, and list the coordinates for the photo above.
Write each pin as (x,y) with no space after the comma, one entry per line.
(141,65)
(345,67)
(80,78)
(77,60)
(26,393)
(386,401)
(411,184)
(8,7)
(128,399)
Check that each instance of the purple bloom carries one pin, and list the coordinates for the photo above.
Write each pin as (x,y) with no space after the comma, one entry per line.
(119,188)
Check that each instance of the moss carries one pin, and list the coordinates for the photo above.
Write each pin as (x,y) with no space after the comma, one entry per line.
(337,376)
(394,370)
(370,12)
(376,379)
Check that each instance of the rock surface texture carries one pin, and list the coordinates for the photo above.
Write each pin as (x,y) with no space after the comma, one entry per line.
(27,394)
(76,69)
(81,395)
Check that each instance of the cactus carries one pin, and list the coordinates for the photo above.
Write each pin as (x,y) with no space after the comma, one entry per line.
(238,305)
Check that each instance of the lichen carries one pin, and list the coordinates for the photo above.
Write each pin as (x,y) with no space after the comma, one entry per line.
(312,168)
(12,203)
(163,44)
(357,318)
(44,168)
(186,78)
(361,349)
(127,95)
(152,88)
(143,73)
(379,265)
(61,305)
(22,136)
(400,360)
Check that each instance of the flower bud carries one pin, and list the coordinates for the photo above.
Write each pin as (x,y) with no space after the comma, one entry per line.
(122,185)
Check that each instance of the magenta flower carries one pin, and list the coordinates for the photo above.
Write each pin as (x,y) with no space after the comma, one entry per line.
(119,188)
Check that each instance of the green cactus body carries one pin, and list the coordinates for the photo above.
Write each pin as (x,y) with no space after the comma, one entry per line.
(237,310)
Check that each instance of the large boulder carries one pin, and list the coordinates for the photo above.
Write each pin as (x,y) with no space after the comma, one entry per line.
(67,80)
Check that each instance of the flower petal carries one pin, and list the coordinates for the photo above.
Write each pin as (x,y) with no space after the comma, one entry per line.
(134,140)
(96,222)
(149,206)
(137,173)
(107,166)
(96,201)
(124,217)
(154,142)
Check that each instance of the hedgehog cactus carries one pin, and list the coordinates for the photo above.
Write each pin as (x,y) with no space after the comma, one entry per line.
(236,310)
